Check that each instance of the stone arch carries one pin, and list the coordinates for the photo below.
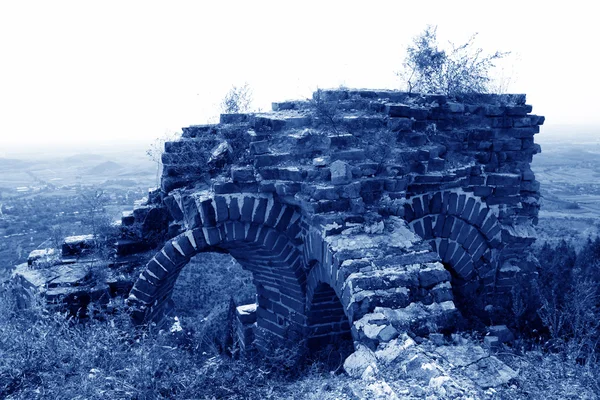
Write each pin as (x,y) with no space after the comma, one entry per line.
(465,233)
(327,322)
(262,234)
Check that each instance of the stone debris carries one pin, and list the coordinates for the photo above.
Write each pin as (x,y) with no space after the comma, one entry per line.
(358,362)
(503,334)
(446,370)
(42,257)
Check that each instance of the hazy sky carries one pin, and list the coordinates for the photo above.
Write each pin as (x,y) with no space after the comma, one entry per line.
(110,71)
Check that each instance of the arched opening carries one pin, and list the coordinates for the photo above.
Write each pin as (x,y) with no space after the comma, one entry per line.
(262,235)
(464,267)
(206,298)
(329,337)
(466,235)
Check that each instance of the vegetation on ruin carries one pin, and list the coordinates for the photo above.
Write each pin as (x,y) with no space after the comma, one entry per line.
(463,68)
(237,100)
(44,354)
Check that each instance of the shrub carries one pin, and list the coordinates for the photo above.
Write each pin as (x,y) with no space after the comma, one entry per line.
(326,112)
(569,295)
(461,69)
(237,100)
(156,150)
(45,355)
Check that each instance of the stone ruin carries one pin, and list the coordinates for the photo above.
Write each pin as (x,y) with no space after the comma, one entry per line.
(361,214)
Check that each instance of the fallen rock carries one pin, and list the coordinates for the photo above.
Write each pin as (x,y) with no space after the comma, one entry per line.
(78,245)
(393,350)
(437,339)
(340,172)
(377,390)
(370,373)
(503,334)
(357,362)
(491,342)
(422,368)
(490,372)
(478,365)
(43,258)
(387,333)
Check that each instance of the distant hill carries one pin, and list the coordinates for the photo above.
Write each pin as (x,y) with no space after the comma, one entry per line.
(83,158)
(107,167)
(11,163)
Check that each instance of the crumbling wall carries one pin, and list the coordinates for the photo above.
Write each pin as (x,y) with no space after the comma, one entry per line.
(401,204)
(363,214)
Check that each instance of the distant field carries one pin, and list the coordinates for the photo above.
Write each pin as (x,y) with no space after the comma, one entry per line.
(114,165)
(55,182)
(568,170)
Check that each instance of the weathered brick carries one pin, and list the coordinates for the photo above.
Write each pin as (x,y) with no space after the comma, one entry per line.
(190,211)
(242,174)
(185,246)
(248,208)
(212,235)
(274,212)
(400,124)
(222,213)
(207,211)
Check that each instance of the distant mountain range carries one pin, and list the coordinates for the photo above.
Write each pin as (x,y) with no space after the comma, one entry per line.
(82,158)
(12,163)
(107,167)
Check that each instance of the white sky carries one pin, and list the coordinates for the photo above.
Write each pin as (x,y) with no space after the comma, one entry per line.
(78,72)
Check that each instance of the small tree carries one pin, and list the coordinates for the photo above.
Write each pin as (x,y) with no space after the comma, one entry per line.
(97,219)
(327,112)
(156,150)
(237,100)
(462,69)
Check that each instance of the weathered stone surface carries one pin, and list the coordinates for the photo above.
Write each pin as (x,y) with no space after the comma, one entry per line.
(340,172)
(432,275)
(503,334)
(490,372)
(400,124)
(42,257)
(363,358)
(391,351)
(422,368)
(77,245)
(243,174)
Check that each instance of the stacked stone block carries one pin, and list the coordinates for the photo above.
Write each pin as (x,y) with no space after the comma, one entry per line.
(245,326)
(387,202)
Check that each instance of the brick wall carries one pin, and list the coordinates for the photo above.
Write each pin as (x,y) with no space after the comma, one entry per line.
(396,206)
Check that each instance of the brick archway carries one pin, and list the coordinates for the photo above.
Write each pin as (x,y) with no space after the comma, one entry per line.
(465,233)
(262,234)
(327,322)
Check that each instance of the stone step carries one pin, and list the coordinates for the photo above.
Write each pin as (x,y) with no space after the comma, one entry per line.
(195,131)
(291,105)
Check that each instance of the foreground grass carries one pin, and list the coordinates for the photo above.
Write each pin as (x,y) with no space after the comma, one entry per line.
(43,355)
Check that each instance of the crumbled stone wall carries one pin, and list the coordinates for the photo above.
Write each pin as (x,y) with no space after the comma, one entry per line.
(362,214)
(397,206)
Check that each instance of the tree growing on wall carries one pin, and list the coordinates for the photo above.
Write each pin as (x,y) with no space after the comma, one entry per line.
(156,150)
(96,218)
(463,68)
(237,100)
